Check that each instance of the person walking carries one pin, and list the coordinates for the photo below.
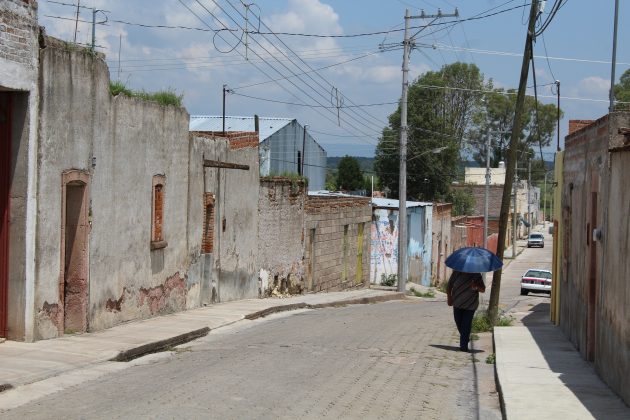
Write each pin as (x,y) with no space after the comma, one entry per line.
(462,294)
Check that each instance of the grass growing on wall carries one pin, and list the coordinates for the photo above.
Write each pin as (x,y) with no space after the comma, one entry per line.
(162,97)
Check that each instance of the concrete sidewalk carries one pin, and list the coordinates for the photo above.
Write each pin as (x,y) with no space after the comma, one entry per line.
(540,375)
(24,363)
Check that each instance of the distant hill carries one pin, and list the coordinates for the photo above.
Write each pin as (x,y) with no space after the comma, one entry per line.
(365,163)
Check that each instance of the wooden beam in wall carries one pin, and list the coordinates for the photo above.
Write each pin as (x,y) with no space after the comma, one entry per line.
(225,165)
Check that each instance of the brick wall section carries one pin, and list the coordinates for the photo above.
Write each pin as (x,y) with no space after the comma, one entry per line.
(207,240)
(336,261)
(18,31)
(281,235)
(237,139)
(575,125)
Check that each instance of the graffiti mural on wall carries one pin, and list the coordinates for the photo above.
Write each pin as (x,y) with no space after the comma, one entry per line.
(384,254)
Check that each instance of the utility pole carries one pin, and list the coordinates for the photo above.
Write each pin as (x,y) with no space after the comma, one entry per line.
(493,305)
(558,110)
(487,195)
(93,28)
(225,90)
(303,150)
(76,21)
(404,129)
(614,60)
(514,213)
(529,196)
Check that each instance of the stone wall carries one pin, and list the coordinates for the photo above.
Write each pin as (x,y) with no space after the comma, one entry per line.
(281,236)
(337,231)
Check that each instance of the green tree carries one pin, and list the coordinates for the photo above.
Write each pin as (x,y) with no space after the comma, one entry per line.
(349,175)
(622,92)
(441,105)
(463,201)
(494,118)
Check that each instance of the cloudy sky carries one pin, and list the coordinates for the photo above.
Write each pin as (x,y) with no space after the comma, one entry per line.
(277,75)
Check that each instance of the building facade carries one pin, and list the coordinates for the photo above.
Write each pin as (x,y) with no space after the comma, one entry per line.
(591,290)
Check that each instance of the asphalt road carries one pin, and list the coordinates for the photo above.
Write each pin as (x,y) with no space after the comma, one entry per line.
(381,361)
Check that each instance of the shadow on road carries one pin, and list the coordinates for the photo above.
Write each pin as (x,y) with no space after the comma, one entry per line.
(576,374)
(452,348)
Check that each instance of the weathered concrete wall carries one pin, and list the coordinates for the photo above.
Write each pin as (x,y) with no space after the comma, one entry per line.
(120,143)
(441,241)
(612,353)
(281,236)
(18,81)
(338,243)
(585,158)
(593,289)
(232,266)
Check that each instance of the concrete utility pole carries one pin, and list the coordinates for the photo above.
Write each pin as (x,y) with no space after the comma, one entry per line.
(614,60)
(404,129)
(76,21)
(529,197)
(493,304)
(303,150)
(558,116)
(487,195)
(514,213)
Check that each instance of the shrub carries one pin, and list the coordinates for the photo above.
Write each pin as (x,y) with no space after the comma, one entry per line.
(389,280)
(162,97)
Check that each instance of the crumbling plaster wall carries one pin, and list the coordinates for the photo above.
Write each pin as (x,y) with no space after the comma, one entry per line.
(281,236)
(19,34)
(121,143)
(230,272)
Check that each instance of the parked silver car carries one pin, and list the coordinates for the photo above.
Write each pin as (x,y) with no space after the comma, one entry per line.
(536,239)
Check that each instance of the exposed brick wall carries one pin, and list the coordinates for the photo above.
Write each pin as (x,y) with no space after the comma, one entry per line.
(157,213)
(237,139)
(575,125)
(281,236)
(18,31)
(207,240)
(335,259)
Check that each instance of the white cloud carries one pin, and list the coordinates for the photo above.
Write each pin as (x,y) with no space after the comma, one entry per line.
(594,87)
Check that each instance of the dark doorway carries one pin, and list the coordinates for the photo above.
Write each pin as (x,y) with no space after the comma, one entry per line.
(75,236)
(5,193)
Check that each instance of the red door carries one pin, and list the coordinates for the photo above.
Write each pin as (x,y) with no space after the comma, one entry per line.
(5,176)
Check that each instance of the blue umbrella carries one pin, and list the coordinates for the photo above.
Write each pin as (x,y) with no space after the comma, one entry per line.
(473,260)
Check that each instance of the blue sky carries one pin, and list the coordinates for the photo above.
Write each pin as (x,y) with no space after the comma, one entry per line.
(578,42)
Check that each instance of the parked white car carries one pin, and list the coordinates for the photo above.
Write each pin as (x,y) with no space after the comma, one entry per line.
(536,239)
(536,280)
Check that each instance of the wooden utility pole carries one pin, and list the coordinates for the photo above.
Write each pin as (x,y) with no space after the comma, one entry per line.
(517,125)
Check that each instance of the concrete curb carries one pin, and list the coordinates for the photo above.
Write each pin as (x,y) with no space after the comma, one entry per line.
(303,305)
(496,379)
(160,345)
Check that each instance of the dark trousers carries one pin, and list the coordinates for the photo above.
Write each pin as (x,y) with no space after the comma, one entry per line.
(463,320)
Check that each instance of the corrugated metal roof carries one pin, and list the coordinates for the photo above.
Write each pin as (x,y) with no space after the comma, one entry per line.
(394,204)
(326,193)
(267,125)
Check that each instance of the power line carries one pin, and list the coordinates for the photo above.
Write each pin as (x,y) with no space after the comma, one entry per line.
(312,106)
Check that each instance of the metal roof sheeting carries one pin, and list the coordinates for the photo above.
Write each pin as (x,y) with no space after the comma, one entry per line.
(267,126)
(389,203)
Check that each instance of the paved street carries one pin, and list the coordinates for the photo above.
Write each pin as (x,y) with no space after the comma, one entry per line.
(510,297)
(388,360)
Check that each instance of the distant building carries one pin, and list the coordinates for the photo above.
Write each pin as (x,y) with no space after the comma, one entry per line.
(281,145)
(477,176)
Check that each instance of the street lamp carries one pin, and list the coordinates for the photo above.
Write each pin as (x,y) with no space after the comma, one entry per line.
(426,152)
